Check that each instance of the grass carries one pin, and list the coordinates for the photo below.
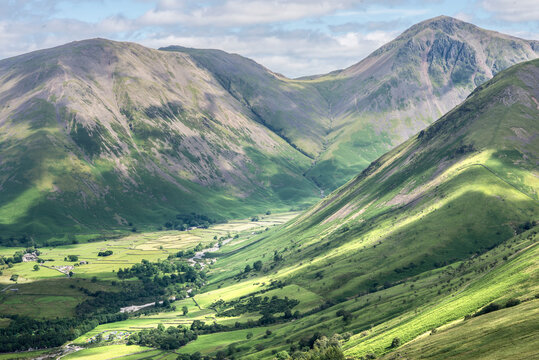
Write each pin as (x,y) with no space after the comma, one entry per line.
(208,344)
(25,355)
(47,298)
(505,334)
(108,352)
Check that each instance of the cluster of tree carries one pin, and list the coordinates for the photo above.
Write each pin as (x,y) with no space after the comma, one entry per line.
(525,226)
(182,254)
(102,307)
(347,316)
(71,258)
(495,306)
(101,302)
(257,266)
(105,253)
(24,333)
(166,339)
(263,305)
(173,272)
(184,221)
(316,347)
(23,240)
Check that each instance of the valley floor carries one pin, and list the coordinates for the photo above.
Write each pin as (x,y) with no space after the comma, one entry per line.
(425,312)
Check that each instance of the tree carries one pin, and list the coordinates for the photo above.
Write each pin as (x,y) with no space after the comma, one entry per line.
(72,258)
(185,310)
(257,265)
(282,355)
(36,267)
(247,268)
(99,337)
(346,315)
(396,342)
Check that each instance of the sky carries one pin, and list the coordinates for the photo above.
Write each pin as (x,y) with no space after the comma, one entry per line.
(291,37)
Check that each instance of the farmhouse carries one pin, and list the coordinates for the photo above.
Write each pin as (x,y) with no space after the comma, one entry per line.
(29,257)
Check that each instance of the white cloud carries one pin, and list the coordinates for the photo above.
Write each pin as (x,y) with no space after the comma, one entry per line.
(293,37)
(239,12)
(513,10)
(293,53)
(463,16)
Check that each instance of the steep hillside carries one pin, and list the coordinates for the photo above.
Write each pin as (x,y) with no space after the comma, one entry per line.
(438,236)
(445,223)
(462,186)
(99,134)
(293,109)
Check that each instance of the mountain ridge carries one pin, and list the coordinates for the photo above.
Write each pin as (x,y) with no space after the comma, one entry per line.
(362,111)
(188,130)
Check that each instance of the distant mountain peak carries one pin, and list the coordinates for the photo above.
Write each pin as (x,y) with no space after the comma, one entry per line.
(445,24)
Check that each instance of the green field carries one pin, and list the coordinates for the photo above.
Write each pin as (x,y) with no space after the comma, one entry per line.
(109,351)
(48,293)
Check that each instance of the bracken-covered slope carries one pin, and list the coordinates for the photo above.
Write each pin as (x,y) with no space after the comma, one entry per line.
(99,134)
(428,233)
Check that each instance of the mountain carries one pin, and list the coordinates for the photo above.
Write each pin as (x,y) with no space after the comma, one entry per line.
(99,135)
(404,86)
(432,231)
(293,109)
(347,118)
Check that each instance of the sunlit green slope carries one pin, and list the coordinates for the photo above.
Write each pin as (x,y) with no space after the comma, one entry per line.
(510,333)
(462,186)
(430,232)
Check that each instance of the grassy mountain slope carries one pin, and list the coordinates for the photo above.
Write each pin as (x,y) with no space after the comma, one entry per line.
(491,336)
(475,167)
(430,232)
(98,134)
(423,239)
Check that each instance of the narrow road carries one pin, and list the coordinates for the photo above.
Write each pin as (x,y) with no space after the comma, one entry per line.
(7,287)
